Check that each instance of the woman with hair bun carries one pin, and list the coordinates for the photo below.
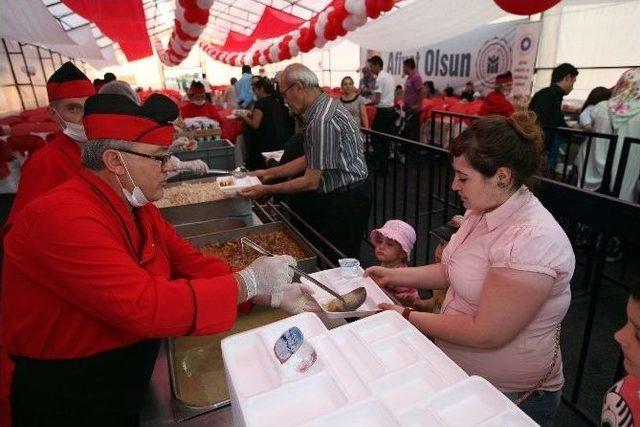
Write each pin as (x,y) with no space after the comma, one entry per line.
(506,270)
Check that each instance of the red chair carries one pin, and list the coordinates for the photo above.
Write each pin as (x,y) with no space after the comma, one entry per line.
(11,120)
(459,107)
(473,108)
(34,112)
(28,143)
(33,127)
(39,118)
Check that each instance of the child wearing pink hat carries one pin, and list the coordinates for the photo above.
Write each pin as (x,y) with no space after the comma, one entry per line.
(393,244)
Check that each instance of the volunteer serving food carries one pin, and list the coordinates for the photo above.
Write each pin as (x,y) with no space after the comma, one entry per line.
(94,276)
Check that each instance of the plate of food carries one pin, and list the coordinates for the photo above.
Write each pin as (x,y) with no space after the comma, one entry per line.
(230,185)
(333,279)
(240,113)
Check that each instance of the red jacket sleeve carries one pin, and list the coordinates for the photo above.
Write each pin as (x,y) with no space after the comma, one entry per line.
(214,113)
(79,258)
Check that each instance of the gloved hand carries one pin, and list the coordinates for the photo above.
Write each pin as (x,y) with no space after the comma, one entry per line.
(184,144)
(198,167)
(295,298)
(267,275)
(172,167)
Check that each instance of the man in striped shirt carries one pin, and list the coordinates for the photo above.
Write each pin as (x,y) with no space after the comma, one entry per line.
(333,166)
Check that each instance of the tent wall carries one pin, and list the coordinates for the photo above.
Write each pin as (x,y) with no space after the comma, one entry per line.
(24,70)
(601,40)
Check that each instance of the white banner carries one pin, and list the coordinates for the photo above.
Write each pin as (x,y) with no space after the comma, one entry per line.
(477,56)
(524,52)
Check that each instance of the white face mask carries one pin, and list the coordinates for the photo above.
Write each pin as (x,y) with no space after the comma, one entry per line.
(136,198)
(199,103)
(72,130)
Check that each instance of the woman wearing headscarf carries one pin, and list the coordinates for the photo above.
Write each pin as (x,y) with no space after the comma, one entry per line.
(619,115)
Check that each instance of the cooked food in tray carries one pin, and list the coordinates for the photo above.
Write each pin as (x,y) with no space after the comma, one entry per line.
(226,181)
(276,242)
(188,193)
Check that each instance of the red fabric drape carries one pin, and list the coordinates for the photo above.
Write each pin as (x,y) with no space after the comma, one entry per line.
(274,23)
(122,21)
(237,42)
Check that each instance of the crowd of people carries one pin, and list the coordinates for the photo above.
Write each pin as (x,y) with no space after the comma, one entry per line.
(93,276)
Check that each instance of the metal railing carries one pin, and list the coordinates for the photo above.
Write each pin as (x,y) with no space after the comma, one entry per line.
(578,153)
(415,187)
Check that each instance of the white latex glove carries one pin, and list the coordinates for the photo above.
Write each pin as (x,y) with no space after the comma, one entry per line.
(295,298)
(184,144)
(173,166)
(267,275)
(198,166)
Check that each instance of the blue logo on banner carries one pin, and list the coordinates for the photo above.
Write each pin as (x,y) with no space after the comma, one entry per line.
(525,43)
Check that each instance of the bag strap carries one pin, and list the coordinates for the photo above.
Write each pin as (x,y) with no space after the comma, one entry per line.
(556,351)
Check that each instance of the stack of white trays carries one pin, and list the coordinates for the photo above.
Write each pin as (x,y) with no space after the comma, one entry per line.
(378,371)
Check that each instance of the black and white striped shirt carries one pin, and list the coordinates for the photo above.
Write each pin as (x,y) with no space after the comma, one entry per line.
(333,144)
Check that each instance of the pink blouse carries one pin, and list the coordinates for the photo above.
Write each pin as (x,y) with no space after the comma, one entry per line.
(521,235)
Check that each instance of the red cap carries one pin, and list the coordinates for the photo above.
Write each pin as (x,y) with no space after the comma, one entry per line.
(504,78)
(69,82)
(196,88)
(111,116)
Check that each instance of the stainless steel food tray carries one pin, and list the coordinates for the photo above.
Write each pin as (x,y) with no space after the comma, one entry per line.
(206,211)
(213,226)
(309,264)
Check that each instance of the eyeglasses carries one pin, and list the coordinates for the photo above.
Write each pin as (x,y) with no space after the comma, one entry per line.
(283,93)
(164,159)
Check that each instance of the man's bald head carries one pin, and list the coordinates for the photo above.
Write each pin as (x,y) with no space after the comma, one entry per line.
(298,73)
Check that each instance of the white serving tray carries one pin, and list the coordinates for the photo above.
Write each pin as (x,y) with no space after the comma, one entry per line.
(378,371)
(332,278)
(238,184)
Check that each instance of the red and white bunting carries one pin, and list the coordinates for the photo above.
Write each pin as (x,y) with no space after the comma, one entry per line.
(191,19)
(341,17)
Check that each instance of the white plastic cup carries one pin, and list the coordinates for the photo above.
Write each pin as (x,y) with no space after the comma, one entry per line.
(349,268)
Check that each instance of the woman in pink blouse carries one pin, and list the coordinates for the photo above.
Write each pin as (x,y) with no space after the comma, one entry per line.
(506,270)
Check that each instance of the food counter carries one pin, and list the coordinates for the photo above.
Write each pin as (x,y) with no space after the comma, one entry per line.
(177,395)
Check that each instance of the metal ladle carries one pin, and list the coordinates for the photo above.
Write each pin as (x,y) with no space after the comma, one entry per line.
(239,172)
(347,302)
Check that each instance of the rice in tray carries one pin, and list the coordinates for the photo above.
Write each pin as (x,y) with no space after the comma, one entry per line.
(188,193)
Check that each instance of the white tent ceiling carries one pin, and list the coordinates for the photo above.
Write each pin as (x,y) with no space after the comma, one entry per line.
(226,15)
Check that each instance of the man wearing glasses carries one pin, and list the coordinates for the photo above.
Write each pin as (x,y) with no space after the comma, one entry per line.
(333,168)
(94,277)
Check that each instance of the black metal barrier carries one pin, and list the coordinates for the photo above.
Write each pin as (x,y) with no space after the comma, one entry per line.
(576,151)
(416,187)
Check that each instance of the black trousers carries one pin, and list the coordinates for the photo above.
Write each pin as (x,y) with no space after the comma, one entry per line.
(106,389)
(341,217)
(384,122)
(411,125)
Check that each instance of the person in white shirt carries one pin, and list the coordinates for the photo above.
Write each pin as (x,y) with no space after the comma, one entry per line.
(207,88)
(619,115)
(597,95)
(384,120)
(229,98)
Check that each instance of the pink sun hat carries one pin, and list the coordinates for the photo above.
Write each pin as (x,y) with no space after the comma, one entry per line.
(399,231)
